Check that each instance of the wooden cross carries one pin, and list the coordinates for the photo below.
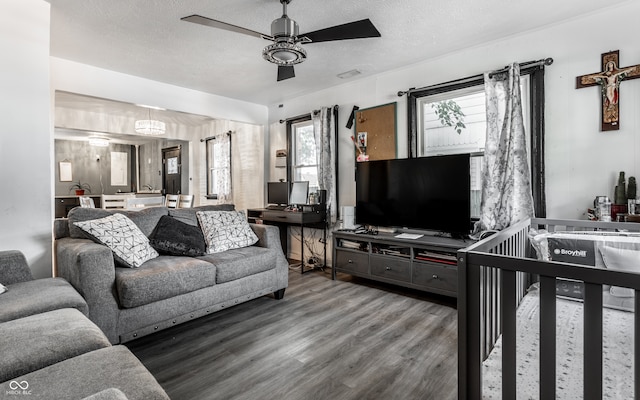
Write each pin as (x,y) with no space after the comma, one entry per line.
(609,80)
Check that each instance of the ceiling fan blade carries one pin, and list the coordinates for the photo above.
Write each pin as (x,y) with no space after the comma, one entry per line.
(198,19)
(285,72)
(352,30)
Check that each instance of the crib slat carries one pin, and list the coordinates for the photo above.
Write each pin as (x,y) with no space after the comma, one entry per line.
(592,341)
(636,348)
(547,337)
(472,330)
(508,316)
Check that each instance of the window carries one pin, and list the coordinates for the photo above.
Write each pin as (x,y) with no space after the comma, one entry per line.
(219,167)
(461,129)
(429,135)
(304,165)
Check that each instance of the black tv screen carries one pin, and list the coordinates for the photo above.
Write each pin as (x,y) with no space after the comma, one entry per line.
(278,193)
(430,193)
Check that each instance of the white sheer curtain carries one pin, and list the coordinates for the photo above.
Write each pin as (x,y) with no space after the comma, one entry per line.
(222,167)
(506,179)
(324,130)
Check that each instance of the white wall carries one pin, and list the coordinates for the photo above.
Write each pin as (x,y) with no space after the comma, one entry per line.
(581,162)
(25,133)
(247,163)
(85,79)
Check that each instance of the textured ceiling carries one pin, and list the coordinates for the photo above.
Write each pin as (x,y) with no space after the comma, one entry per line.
(147,38)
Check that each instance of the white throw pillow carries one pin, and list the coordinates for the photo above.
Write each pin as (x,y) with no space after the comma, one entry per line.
(225,230)
(129,245)
(3,288)
(622,259)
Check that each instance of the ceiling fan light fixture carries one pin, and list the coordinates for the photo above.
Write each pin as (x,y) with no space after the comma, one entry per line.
(284,53)
(150,127)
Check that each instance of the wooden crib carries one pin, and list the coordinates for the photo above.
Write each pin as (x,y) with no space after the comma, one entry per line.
(493,277)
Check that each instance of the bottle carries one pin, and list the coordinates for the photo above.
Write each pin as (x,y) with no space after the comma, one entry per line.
(605,211)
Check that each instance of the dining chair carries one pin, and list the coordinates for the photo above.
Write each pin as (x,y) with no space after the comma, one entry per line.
(171,200)
(115,200)
(86,202)
(186,201)
(142,202)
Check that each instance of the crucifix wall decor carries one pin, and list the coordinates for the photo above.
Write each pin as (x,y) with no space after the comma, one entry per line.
(609,80)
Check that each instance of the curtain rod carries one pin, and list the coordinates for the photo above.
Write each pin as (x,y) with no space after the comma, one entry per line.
(301,116)
(213,137)
(528,64)
(543,62)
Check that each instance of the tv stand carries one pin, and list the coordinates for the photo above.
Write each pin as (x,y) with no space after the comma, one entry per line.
(428,263)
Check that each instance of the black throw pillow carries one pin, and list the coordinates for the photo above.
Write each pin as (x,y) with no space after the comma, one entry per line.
(176,238)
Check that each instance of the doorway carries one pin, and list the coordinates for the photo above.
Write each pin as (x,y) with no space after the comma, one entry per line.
(172,170)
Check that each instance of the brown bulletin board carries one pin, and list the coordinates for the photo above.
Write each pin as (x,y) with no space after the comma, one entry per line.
(379,123)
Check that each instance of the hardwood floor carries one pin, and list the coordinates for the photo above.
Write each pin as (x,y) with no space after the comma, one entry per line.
(343,339)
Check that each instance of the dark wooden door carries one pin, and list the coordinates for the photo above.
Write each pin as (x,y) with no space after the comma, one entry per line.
(171,170)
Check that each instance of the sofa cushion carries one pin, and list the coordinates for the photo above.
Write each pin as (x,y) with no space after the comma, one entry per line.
(176,238)
(239,263)
(188,215)
(90,373)
(129,245)
(145,219)
(225,230)
(38,296)
(34,342)
(162,278)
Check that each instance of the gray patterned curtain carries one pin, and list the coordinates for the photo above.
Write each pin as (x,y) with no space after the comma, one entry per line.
(506,181)
(324,130)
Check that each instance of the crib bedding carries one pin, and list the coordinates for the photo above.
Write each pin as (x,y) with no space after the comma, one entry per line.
(617,352)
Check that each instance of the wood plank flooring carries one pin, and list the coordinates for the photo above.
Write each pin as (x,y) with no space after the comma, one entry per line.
(344,339)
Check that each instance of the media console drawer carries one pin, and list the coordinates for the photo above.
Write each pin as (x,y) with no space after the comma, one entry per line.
(391,268)
(353,261)
(442,277)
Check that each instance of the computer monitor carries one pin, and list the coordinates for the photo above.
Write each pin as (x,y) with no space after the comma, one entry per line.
(299,193)
(278,193)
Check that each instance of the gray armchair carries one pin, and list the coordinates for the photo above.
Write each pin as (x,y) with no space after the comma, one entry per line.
(14,268)
(28,296)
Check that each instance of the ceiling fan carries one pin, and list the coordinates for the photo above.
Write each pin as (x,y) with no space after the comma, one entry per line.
(285,51)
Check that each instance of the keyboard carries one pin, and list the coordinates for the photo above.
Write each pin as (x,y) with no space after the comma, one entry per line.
(275,207)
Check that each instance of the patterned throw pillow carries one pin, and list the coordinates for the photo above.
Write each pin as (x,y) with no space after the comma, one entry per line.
(225,230)
(129,245)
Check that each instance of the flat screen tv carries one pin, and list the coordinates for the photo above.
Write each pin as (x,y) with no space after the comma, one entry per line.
(430,193)
(278,193)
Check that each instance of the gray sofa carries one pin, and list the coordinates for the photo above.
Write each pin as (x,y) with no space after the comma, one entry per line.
(51,350)
(128,303)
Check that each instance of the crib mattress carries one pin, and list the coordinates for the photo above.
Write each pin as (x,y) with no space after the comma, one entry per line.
(617,353)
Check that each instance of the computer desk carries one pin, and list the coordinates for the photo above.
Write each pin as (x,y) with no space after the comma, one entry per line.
(316,218)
